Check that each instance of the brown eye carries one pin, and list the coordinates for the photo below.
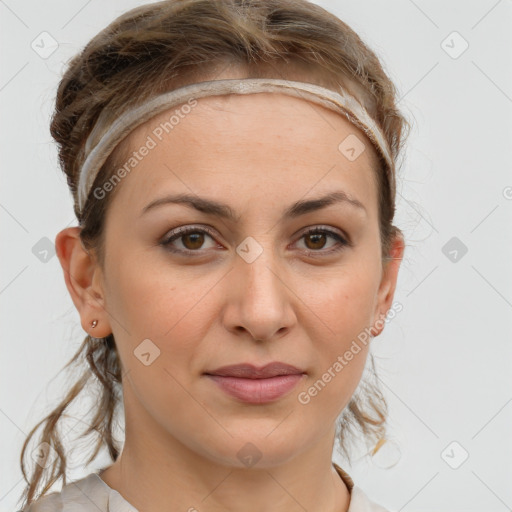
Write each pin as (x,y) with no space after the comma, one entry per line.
(316,239)
(192,240)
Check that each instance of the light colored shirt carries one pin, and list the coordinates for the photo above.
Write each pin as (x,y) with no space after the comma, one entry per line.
(92,494)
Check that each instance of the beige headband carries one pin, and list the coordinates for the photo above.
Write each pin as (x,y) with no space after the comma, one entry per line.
(106,135)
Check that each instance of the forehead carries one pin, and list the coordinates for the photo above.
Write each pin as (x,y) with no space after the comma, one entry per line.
(270,110)
(251,139)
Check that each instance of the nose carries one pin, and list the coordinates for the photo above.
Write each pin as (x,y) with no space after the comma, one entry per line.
(259,301)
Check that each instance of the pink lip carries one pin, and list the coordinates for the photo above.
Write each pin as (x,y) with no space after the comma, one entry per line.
(249,371)
(257,385)
(257,391)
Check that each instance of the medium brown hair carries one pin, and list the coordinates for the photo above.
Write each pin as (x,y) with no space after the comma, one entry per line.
(161,46)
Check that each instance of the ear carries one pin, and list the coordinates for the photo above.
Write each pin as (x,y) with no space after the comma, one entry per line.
(83,280)
(388,283)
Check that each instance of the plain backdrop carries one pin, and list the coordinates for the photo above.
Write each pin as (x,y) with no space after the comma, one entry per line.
(444,361)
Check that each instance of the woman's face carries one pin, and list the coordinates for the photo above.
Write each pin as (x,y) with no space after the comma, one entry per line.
(255,288)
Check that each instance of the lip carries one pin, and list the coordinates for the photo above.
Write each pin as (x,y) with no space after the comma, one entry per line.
(257,385)
(249,371)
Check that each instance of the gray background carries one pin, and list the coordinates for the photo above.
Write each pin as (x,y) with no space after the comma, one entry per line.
(444,361)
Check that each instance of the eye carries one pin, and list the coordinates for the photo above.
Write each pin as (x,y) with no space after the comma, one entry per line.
(315,240)
(191,238)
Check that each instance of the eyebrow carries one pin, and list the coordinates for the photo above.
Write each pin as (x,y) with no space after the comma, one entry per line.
(211,207)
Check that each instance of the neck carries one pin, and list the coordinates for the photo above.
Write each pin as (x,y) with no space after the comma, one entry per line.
(157,472)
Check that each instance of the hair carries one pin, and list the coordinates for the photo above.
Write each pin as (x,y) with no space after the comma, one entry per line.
(158,47)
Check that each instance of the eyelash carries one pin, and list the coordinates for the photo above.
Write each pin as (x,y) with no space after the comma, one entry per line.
(179,232)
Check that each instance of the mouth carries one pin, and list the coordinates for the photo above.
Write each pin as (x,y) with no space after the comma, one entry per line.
(257,385)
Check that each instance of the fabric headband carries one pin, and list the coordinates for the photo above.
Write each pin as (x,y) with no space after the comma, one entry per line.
(106,135)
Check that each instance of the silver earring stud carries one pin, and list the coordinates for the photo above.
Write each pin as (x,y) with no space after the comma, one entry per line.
(94,323)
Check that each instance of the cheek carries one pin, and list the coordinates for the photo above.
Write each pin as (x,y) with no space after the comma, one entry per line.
(175,310)
(343,302)
(340,315)
(154,300)
(159,305)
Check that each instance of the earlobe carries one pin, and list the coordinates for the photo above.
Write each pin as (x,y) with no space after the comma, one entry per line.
(80,271)
(388,284)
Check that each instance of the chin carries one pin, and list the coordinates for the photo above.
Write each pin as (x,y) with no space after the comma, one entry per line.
(257,449)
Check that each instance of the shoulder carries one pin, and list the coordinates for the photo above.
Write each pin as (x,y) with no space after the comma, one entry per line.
(359,502)
(84,495)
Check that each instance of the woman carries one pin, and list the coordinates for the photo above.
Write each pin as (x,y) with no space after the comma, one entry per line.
(232,166)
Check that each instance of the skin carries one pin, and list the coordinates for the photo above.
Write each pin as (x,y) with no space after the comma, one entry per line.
(259,154)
